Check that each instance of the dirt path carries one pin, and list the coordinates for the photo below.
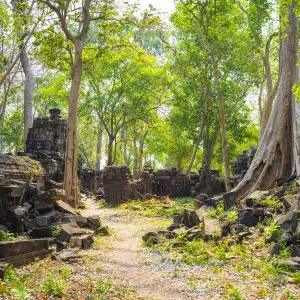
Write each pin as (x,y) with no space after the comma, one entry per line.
(143,270)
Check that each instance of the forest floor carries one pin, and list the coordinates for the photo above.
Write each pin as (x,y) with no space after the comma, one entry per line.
(121,266)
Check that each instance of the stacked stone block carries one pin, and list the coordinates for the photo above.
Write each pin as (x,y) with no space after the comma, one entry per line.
(242,164)
(48,134)
(91,180)
(116,184)
(207,182)
(46,142)
(170,183)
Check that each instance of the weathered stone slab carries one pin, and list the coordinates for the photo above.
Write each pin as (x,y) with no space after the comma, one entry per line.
(80,220)
(94,222)
(64,207)
(41,232)
(20,259)
(3,267)
(229,200)
(288,222)
(17,247)
(67,231)
(53,194)
(43,206)
(212,228)
(83,241)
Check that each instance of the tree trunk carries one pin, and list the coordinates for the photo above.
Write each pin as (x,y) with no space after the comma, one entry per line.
(266,112)
(271,90)
(99,147)
(70,176)
(135,159)
(277,154)
(209,145)
(29,80)
(110,150)
(222,121)
(196,146)
(28,91)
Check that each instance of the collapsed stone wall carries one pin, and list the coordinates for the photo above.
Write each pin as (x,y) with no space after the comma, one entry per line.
(46,143)
(119,187)
(90,180)
(207,182)
(170,183)
(20,178)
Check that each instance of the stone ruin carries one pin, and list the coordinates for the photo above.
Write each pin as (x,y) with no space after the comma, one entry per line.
(170,183)
(207,182)
(119,187)
(91,181)
(46,143)
(242,164)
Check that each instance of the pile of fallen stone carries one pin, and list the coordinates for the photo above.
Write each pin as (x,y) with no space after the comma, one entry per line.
(46,220)
(279,206)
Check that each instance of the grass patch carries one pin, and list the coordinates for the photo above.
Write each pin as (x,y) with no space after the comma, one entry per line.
(54,285)
(160,208)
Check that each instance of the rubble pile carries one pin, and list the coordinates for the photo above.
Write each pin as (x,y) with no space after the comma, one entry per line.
(242,164)
(170,183)
(46,220)
(279,207)
(15,175)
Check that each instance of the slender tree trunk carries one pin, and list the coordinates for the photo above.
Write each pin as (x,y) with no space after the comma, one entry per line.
(28,91)
(99,147)
(196,146)
(135,159)
(209,145)
(277,154)
(267,110)
(125,156)
(271,90)
(222,121)
(110,150)
(29,81)
(70,176)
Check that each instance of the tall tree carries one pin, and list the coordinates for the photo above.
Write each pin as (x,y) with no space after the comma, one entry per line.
(22,12)
(278,153)
(75,25)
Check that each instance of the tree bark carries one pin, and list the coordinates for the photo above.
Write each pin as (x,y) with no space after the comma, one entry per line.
(99,147)
(110,150)
(271,90)
(209,145)
(196,146)
(29,81)
(277,155)
(28,91)
(222,121)
(70,176)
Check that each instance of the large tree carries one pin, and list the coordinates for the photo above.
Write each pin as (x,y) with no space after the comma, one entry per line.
(75,23)
(278,153)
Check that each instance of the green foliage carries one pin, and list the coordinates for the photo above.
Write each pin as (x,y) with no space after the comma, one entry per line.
(231,292)
(272,202)
(156,208)
(54,284)
(13,285)
(103,287)
(220,213)
(55,230)
(6,236)
(272,230)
